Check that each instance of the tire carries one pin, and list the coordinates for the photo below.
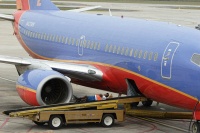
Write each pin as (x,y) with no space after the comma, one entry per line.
(55,122)
(39,123)
(195,127)
(147,103)
(107,120)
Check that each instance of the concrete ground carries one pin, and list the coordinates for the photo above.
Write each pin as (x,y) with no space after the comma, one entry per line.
(9,98)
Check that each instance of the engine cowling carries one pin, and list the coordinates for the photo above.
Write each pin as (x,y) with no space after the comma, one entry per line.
(44,87)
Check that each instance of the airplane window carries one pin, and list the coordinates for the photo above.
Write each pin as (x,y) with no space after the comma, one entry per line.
(91,45)
(53,38)
(114,49)
(118,50)
(77,42)
(106,49)
(155,56)
(36,35)
(131,52)
(110,49)
(145,55)
(66,39)
(72,41)
(44,37)
(135,53)
(140,54)
(99,46)
(63,39)
(122,51)
(150,55)
(33,34)
(57,38)
(50,37)
(127,51)
(196,59)
(85,44)
(60,39)
(69,41)
(39,35)
(88,44)
(30,34)
(95,45)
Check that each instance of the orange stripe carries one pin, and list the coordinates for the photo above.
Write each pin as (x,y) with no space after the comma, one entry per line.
(25,88)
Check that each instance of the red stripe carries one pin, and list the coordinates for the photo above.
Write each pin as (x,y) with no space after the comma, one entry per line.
(27,96)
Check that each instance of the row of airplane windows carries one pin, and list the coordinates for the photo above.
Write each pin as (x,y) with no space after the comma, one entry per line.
(93,45)
(131,52)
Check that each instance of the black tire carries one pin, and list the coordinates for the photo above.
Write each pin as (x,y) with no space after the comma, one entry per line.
(55,122)
(39,123)
(107,120)
(135,104)
(195,127)
(147,103)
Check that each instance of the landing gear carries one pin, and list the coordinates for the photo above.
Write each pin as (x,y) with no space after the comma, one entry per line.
(147,103)
(196,127)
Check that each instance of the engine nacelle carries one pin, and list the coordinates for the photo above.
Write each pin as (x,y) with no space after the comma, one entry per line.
(44,87)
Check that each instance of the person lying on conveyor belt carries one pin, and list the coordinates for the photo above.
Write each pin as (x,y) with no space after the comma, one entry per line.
(96,97)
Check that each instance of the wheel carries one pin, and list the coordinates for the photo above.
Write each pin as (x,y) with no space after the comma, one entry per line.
(135,104)
(196,127)
(107,120)
(55,122)
(147,103)
(39,123)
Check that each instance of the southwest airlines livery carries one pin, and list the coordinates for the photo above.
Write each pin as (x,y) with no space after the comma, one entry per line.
(158,60)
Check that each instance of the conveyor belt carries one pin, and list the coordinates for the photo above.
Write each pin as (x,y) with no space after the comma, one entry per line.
(109,103)
(160,114)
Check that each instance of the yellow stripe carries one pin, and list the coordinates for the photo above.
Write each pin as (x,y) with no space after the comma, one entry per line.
(25,88)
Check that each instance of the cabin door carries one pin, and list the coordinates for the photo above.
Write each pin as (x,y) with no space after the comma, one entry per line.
(80,45)
(167,60)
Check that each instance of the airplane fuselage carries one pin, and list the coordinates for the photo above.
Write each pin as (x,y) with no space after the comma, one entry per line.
(158,56)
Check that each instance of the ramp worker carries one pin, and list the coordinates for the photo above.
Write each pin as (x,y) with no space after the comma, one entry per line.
(96,97)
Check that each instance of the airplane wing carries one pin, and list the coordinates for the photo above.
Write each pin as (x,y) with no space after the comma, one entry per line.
(82,72)
(84,9)
(7,17)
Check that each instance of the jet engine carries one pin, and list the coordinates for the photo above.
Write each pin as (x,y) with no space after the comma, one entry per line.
(44,87)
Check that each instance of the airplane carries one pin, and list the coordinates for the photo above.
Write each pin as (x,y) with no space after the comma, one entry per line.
(158,60)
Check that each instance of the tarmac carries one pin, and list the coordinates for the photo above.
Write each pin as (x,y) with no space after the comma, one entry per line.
(9,98)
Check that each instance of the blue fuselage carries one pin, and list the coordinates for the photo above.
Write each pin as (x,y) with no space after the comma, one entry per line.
(158,51)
